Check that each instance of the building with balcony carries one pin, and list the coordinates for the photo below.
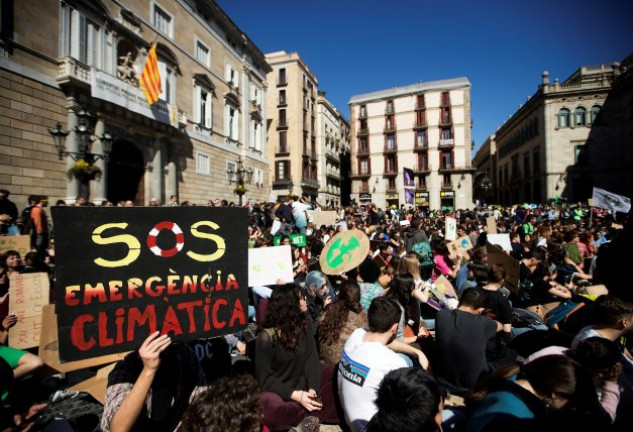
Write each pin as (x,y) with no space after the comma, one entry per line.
(291,136)
(334,152)
(542,150)
(424,127)
(59,58)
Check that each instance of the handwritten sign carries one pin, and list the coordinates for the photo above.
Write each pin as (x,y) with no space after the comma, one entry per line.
(125,272)
(450,228)
(20,243)
(442,288)
(266,265)
(323,217)
(28,294)
(491,224)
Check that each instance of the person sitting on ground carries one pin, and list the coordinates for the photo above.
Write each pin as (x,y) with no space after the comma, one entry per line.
(338,321)
(286,360)
(227,404)
(408,400)
(366,360)
(461,337)
(150,388)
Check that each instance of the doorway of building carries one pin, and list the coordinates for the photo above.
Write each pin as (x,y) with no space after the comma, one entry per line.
(126,170)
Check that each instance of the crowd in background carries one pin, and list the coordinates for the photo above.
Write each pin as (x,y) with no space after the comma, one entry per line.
(377,347)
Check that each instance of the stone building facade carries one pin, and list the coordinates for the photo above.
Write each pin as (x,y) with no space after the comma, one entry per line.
(59,58)
(333,150)
(535,151)
(425,127)
(291,137)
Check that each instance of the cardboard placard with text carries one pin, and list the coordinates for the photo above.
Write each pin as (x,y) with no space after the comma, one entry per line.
(20,243)
(28,294)
(125,272)
(511,266)
(266,265)
(491,224)
(326,218)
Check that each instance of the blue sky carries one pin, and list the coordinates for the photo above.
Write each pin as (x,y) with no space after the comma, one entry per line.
(502,47)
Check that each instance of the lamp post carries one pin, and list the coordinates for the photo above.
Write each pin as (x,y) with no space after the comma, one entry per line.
(84,169)
(242,176)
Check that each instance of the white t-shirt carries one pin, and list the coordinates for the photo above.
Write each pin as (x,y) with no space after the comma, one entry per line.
(360,371)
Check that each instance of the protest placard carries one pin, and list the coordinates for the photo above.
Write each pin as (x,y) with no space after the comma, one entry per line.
(502,240)
(266,265)
(28,294)
(49,347)
(442,288)
(491,224)
(123,273)
(20,243)
(460,246)
(511,266)
(298,240)
(345,251)
(450,228)
(326,218)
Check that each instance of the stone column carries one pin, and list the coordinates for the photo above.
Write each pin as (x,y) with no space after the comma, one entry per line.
(72,184)
(171,175)
(156,181)
(99,188)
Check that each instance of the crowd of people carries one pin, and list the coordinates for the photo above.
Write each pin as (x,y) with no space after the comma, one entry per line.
(378,347)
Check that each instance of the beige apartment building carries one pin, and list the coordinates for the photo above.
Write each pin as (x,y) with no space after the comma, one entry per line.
(63,59)
(541,152)
(424,127)
(333,150)
(291,134)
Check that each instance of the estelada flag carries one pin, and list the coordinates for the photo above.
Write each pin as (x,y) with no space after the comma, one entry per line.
(150,78)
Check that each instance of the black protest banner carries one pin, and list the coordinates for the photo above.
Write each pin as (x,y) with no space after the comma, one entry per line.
(123,273)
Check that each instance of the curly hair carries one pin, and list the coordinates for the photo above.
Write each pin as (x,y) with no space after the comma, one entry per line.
(228,404)
(336,314)
(284,315)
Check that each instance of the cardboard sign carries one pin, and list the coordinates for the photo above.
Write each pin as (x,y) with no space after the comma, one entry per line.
(326,218)
(461,245)
(442,288)
(123,273)
(266,265)
(450,228)
(49,347)
(28,294)
(20,243)
(509,264)
(97,385)
(345,251)
(617,226)
(502,240)
(491,224)
(405,222)
(298,240)
(275,227)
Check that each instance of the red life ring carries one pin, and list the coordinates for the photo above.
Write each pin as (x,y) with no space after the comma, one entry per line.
(153,234)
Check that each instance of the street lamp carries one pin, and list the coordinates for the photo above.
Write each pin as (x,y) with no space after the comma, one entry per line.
(242,175)
(84,169)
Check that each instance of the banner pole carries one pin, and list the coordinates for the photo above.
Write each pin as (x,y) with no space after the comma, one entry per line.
(590,215)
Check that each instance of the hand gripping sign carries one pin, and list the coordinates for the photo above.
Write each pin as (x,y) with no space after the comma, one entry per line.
(123,273)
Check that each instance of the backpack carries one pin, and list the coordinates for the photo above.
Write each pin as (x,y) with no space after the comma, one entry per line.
(424,252)
(27,222)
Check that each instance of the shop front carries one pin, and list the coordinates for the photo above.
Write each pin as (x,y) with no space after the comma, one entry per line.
(393,200)
(421,199)
(447,200)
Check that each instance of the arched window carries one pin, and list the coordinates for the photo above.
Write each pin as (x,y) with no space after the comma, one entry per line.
(580,116)
(595,110)
(563,118)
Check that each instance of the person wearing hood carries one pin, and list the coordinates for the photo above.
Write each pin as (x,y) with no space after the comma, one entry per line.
(414,235)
